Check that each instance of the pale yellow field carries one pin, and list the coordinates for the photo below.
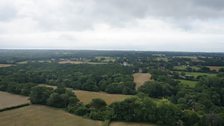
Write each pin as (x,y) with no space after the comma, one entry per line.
(87,96)
(130,124)
(216,68)
(141,78)
(36,115)
(8,100)
(5,65)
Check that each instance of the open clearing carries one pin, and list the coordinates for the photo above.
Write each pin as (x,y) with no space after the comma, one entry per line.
(188,83)
(8,100)
(215,68)
(129,124)
(196,74)
(87,96)
(184,67)
(36,115)
(5,65)
(141,78)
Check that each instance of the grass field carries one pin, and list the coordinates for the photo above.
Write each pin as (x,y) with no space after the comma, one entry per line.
(8,100)
(196,74)
(188,83)
(87,96)
(35,115)
(105,59)
(129,124)
(182,67)
(141,78)
(5,65)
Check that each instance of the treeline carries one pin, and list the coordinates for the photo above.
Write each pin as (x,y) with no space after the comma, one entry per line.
(110,78)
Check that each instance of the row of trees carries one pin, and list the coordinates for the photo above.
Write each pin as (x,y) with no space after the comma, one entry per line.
(139,109)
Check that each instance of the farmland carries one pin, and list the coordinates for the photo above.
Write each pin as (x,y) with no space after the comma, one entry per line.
(215,68)
(87,96)
(188,83)
(5,65)
(141,78)
(36,115)
(8,100)
(196,74)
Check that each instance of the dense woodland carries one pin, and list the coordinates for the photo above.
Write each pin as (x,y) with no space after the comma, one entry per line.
(165,101)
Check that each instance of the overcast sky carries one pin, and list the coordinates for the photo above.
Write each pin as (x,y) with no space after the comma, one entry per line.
(155,25)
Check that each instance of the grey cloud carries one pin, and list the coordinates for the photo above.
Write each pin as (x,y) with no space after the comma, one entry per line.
(79,15)
(7,13)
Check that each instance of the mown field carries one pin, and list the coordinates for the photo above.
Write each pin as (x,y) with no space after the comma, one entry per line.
(215,68)
(182,67)
(5,65)
(87,96)
(141,78)
(196,74)
(8,100)
(188,83)
(36,115)
(130,124)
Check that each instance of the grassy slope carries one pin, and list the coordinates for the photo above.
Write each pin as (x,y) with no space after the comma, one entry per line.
(9,100)
(195,74)
(87,96)
(36,115)
(189,83)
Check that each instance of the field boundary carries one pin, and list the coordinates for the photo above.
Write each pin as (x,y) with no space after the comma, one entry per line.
(14,107)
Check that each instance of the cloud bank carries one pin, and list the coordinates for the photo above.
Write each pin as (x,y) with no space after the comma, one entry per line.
(174,25)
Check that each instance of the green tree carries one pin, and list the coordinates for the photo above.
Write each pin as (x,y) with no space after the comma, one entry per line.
(39,95)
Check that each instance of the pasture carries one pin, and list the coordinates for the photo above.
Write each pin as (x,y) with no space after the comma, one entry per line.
(141,78)
(196,74)
(8,100)
(87,96)
(184,67)
(37,115)
(215,68)
(188,83)
(5,65)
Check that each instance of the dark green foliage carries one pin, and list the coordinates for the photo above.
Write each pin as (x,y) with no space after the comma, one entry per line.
(168,113)
(102,114)
(135,109)
(190,118)
(80,76)
(157,89)
(60,97)
(97,103)
(16,88)
(211,119)
(39,95)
